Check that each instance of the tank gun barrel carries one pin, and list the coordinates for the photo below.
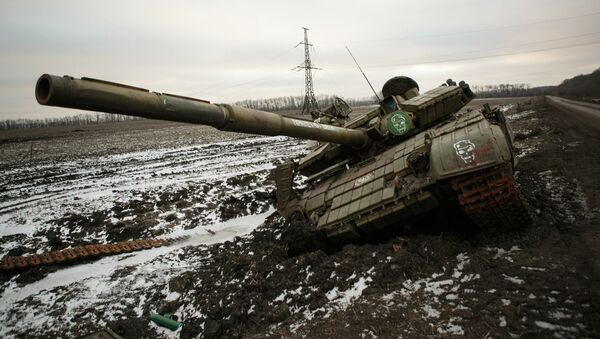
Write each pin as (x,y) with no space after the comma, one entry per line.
(103,96)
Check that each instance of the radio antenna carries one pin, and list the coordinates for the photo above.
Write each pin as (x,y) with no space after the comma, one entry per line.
(363,73)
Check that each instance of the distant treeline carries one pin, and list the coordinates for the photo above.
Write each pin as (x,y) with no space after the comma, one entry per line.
(75,120)
(289,103)
(582,86)
(270,104)
(585,86)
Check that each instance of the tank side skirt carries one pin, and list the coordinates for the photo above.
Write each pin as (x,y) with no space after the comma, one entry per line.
(384,215)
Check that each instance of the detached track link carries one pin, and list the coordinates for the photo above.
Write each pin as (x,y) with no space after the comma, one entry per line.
(491,199)
(74,254)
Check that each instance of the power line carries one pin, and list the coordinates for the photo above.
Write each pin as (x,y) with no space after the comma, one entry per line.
(480,57)
(245,83)
(421,59)
(498,28)
(521,44)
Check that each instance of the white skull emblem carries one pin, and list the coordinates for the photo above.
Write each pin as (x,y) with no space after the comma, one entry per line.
(465,149)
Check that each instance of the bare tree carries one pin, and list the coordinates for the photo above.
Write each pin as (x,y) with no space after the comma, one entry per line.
(75,120)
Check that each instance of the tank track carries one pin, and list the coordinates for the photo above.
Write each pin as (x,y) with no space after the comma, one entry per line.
(491,199)
(15,264)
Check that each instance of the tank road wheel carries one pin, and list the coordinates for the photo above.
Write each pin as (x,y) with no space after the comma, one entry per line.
(491,199)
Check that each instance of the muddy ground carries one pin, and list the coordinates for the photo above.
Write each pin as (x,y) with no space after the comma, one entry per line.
(441,280)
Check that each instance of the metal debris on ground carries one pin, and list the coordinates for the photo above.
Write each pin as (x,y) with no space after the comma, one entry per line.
(13,264)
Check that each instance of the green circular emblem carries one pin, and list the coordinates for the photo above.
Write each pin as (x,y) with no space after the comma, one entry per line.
(399,123)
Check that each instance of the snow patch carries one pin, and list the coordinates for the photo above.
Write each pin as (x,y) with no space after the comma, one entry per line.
(514,280)
(342,299)
(430,312)
(553,327)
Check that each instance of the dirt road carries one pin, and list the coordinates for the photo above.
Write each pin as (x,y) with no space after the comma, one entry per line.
(585,116)
(579,122)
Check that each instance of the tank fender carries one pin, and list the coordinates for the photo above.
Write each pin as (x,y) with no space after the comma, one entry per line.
(468,149)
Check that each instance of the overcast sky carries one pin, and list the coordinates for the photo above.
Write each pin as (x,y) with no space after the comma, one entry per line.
(225,51)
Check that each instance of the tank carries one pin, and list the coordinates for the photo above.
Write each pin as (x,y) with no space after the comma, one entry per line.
(412,156)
